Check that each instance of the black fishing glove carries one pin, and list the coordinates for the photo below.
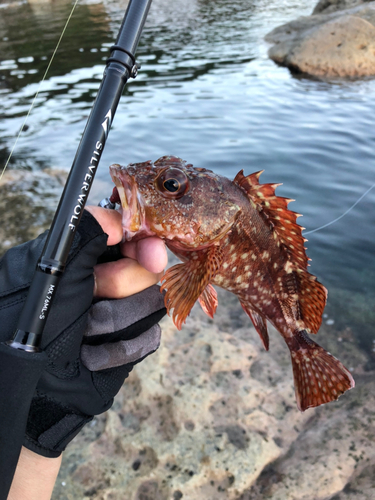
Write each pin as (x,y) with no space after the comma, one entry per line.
(91,348)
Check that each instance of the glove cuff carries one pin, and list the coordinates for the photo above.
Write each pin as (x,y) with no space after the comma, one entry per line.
(51,426)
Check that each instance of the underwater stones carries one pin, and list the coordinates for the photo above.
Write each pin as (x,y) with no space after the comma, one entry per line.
(332,43)
(28,201)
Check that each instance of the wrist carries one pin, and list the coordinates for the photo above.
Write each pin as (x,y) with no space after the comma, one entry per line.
(35,476)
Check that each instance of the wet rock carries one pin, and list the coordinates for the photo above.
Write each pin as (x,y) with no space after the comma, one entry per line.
(333,42)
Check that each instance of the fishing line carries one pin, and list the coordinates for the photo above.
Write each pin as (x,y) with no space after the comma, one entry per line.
(342,215)
(37,92)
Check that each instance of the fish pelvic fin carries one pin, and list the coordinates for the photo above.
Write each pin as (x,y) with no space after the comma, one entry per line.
(208,300)
(319,377)
(260,324)
(186,283)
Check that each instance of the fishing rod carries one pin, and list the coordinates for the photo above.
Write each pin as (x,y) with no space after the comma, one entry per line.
(21,360)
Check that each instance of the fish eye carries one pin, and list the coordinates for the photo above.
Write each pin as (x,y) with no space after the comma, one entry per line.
(172,183)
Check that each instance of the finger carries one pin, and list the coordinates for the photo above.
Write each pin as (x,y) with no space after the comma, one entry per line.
(122,278)
(149,252)
(114,354)
(110,221)
(123,319)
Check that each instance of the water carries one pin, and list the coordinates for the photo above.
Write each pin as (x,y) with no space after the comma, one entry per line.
(208,93)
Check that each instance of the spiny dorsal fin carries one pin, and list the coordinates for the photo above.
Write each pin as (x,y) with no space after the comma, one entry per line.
(274,210)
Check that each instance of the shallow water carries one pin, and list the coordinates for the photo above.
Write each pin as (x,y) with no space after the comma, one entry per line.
(207,93)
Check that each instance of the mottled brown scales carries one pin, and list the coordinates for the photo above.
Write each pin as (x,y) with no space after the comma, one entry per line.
(242,237)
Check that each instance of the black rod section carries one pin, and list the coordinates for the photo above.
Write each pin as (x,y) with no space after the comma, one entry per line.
(21,361)
(120,66)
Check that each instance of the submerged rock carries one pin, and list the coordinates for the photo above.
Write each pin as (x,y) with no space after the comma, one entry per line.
(330,43)
(28,201)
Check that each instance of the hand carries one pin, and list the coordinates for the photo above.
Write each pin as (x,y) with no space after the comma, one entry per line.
(79,335)
(124,277)
(36,474)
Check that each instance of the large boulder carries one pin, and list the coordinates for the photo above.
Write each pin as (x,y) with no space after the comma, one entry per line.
(330,43)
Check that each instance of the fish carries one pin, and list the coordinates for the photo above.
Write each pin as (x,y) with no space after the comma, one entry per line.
(240,236)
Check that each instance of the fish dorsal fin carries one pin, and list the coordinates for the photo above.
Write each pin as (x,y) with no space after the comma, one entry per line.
(274,210)
(186,283)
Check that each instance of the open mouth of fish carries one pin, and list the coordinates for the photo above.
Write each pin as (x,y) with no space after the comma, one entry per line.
(134,222)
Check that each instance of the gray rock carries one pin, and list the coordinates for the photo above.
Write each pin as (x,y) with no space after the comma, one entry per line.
(212,416)
(340,43)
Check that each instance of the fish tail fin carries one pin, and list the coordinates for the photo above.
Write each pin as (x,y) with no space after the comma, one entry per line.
(318,376)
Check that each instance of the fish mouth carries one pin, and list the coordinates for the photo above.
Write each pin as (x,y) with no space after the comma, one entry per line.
(134,222)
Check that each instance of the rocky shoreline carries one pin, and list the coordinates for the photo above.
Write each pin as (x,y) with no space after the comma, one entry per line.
(212,416)
(337,40)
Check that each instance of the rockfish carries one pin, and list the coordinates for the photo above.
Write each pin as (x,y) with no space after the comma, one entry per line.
(239,236)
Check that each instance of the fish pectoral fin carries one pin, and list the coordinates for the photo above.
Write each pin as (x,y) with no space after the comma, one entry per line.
(319,377)
(186,282)
(208,300)
(260,324)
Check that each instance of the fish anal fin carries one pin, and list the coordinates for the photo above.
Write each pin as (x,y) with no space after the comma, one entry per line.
(318,376)
(208,300)
(275,212)
(186,282)
(260,324)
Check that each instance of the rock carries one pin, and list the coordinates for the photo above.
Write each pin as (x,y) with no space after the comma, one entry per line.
(328,6)
(212,415)
(340,43)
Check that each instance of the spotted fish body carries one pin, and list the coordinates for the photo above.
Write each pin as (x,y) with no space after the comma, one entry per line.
(240,236)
